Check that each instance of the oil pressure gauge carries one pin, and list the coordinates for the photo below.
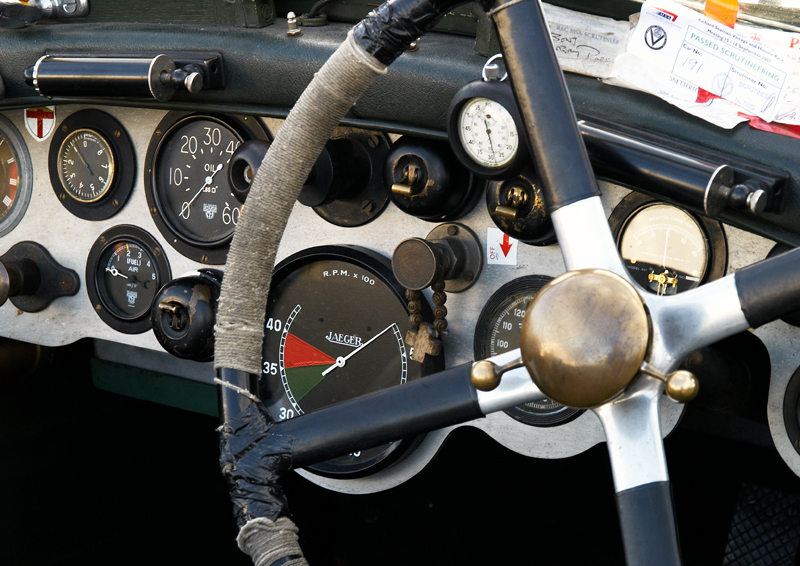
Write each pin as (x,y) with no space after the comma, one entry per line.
(665,249)
(186,181)
(484,128)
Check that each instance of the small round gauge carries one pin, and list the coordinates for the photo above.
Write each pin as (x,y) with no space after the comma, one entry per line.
(86,165)
(125,270)
(488,132)
(498,331)
(92,165)
(187,182)
(335,329)
(667,250)
(484,128)
(16,176)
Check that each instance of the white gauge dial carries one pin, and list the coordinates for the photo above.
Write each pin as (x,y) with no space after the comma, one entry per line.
(664,249)
(488,133)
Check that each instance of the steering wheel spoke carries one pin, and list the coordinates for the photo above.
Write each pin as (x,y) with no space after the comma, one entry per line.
(585,239)
(636,450)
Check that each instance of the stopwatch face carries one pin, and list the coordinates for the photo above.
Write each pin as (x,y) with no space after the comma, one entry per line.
(86,165)
(488,133)
(127,279)
(498,332)
(336,323)
(664,249)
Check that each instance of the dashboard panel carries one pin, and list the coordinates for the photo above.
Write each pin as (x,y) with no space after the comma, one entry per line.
(70,240)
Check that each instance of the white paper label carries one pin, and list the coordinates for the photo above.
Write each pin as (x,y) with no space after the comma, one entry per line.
(687,45)
(501,249)
(584,43)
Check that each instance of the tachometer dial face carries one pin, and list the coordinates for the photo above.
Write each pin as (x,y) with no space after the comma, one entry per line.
(16,177)
(498,332)
(664,249)
(488,133)
(86,165)
(125,269)
(335,330)
(191,180)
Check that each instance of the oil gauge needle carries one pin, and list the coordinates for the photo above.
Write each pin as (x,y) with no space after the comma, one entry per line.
(341,361)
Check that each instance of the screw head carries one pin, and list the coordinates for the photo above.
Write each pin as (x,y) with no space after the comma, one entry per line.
(468,275)
(367,206)
(452,230)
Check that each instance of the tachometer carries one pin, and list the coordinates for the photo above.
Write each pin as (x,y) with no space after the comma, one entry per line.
(498,331)
(335,328)
(187,181)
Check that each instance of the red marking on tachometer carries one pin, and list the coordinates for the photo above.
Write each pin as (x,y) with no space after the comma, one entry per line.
(297,353)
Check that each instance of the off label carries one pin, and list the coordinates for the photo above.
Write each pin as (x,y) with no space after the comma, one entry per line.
(501,249)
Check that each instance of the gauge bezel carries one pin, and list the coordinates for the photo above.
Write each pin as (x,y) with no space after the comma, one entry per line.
(123,157)
(25,173)
(97,295)
(379,266)
(524,284)
(211,253)
(717,244)
(500,92)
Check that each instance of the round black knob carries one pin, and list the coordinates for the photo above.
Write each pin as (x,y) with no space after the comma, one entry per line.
(245,161)
(341,170)
(417,263)
(183,315)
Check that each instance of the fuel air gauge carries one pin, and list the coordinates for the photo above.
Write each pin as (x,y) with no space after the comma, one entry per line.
(125,269)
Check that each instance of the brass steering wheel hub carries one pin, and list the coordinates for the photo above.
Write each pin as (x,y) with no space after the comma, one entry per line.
(584,337)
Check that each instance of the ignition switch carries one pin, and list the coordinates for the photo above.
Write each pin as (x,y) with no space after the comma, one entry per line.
(427,181)
(517,208)
(183,315)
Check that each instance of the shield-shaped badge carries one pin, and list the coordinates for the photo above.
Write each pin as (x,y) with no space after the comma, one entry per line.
(40,122)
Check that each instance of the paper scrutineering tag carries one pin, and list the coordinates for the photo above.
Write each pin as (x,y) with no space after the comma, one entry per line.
(682,46)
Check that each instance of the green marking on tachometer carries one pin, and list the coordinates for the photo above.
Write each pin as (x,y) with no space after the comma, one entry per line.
(301,380)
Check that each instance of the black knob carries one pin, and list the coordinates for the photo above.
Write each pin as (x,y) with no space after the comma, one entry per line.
(341,170)
(32,279)
(18,277)
(417,263)
(427,181)
(245,161)
(451,252)
(183,315)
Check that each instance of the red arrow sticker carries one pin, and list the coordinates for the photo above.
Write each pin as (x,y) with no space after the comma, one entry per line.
(501,249)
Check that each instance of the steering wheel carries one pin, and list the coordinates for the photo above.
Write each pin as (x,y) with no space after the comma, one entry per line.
(591,338)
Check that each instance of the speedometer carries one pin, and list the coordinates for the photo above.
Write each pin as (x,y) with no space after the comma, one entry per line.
(498,331)
(188,190)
